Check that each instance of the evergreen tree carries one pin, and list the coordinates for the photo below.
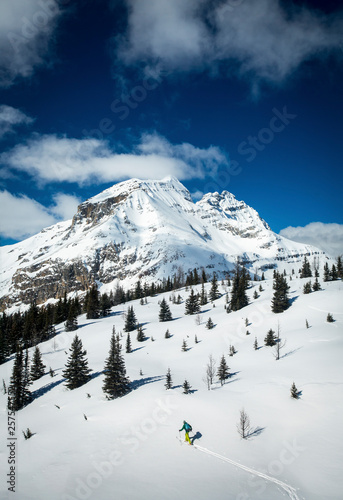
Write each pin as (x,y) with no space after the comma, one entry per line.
(209,324)
(116,383)
(223,370)
(294,391)
(306,269)
(184,347)
(130,320)
(186,387)
(165,314)
(167,334)
(38,367)
(255,344)
(169,382)
(203,276)
(92,303)
(72,323)
(327,274)
(3,338)
(239,297)
(316,285)
(307,288)
(76,370)
(214,292)
(140,334)
(256,295)
(270,338)
(192,304)
(280,301)
(339,267)
(203,295)
(128,344)
(334,273)
(18,391)
(329,318)
(105,305)
(139,293)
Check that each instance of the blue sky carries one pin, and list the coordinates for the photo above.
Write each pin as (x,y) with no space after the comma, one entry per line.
(233,95)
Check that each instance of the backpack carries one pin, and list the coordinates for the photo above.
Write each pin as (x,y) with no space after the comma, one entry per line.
(188,427)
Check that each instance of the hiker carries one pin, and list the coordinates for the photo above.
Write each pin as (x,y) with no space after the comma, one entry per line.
(187,428)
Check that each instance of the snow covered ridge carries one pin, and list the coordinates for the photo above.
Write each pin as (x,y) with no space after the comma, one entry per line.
(142,230)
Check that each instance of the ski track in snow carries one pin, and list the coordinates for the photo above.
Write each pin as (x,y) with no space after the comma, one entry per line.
(288,489)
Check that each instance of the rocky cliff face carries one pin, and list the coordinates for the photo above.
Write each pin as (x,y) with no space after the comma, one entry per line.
(142,229)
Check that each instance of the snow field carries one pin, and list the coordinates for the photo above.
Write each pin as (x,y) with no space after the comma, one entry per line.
(128,447)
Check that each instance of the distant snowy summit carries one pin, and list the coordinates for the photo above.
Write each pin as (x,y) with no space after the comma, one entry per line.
(143,229)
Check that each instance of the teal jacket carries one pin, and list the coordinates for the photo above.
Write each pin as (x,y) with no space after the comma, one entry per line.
(186,427)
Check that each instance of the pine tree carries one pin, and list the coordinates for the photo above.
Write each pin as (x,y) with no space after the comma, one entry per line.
(223,370)
(316,285)
(140,334)
(294,391)
(327,274)
(92,303)
(203,295)
(186,387)
(261,288)
(270,338)
(130,320)
(38,367)
(280,301)
(239,297)
(255,344)
(214,292)
(192,304)
(307,288)
(128,344)
(18,391)
(72,323)
(165,314)
(329,318)
(209,324)
(116,383)
(76,370)
(339,267)
(105,305)
(334,273)
(256,295)
(306,269)
(184,347)
(169,381)
(167,334)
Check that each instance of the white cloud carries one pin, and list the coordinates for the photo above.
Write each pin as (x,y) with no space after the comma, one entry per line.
(22,216)
(255,39)
(327,237)
(65,206)
(26,29)
(51,158)
(11,117)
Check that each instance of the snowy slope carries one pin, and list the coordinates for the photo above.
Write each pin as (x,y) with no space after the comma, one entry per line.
(143,229)
(127,448)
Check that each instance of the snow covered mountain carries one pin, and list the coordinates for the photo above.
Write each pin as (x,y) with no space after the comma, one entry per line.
(142,229)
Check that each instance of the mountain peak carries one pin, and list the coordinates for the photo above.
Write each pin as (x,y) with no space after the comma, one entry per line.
(142,229)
